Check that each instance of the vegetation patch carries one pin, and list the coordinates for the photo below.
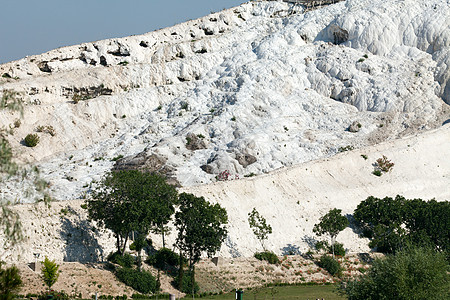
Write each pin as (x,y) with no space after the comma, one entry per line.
(268,256)
(31,140)
(143,282)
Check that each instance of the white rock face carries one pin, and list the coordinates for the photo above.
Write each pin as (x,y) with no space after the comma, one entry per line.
(261,80)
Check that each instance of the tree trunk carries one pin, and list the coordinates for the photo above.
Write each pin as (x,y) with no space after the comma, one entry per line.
(193,280)
(117,242)
(139,260)
(180,272)
(162,233)
(332,244)
(124,245)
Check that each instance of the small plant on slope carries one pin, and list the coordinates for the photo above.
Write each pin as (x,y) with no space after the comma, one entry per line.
(259,226)
(31,140)
(332,223)
(384,164)
(49,272)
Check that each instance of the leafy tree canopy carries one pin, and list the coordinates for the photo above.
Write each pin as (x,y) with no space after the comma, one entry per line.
(10,282)
(332,223)
(390,223)
(412,273)
(201,226)
(49,272)
(261,229)
(126,201)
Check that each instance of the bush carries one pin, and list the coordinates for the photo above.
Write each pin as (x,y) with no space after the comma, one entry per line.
(31,140)
(143,282)
(384,164)
(53,295)
(269,256)
(164,258)
(125,260)
(330,264)
(10,282)
(322,245)
(186,285)
(339,249)
(50,272)
(414,273)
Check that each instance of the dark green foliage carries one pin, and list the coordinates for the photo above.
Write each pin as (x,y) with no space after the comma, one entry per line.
(259,226)
(330,264)
(269,256)
(10,282)
(377,173)
(332,223)
(125,260)
(126,201)
(339,249)
(186,285)
(322,245)
(164,258)
(31,140)
(391,223)
(6,163)
(143,282)
(49,272)
(413,273)
(201,226)
(54,295)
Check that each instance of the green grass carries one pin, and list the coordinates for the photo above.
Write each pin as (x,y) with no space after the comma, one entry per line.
(294,292)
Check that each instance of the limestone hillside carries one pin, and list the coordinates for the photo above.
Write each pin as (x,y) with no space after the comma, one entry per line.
(268,88)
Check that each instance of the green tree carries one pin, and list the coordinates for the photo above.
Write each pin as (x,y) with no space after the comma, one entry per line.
(201,228)
(11,225)
(259,226)
(332,223)
(50,272)
(391,223)
(412,273)
(127,201)
(10,282)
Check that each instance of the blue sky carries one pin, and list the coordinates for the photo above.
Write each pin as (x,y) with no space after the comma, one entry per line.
(30,27)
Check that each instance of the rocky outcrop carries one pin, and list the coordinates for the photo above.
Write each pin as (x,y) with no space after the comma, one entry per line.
(194,142)
(245,159)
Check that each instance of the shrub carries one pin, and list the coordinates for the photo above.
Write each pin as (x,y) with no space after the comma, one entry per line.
(384,164)
(413,273)
(339,249)
(143,282)
(164,258)
(330,264)
(31,140)
(269,256)
(346,148)
(322,245)
(224,176)
(53,295)
(186,285)
(10,282)
(377,173)
(50,272)
(125,260)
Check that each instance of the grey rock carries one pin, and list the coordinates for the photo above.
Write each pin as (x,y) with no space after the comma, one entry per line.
(193,142)
(354,127)
(245,159)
